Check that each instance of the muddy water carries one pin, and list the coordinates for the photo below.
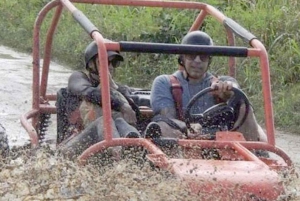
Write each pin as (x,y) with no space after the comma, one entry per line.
(48,177)
(16,93)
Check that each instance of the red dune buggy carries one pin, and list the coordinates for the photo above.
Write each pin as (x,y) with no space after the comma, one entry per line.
(235,172)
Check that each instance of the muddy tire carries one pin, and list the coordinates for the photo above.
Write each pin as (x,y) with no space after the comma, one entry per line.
(4,147)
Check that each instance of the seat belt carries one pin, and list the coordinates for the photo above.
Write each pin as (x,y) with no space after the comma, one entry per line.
(176,90)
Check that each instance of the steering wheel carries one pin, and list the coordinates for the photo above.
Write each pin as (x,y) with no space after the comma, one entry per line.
(220,116)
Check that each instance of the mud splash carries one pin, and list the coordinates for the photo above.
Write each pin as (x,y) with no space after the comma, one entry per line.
(49,177)
(43,175)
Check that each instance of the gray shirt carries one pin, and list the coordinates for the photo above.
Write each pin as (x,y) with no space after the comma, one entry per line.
(161,95)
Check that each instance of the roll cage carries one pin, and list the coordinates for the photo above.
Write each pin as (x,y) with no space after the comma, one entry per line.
(232,29)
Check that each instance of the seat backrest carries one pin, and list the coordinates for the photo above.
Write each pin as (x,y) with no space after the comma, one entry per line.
(68,115)
(141,97)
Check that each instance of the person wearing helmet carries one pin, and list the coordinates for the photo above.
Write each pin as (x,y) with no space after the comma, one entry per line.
(87,86)
(193,76)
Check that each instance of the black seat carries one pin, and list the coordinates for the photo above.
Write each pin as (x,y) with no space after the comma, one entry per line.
(141,97)
(66,104)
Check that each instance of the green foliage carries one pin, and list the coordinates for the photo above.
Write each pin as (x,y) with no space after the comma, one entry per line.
(275,23)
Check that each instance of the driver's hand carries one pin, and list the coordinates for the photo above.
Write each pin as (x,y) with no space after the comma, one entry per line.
(223,89)
(128,114)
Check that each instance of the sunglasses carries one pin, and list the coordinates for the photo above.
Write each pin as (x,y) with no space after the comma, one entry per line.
(93,67)
(192,57)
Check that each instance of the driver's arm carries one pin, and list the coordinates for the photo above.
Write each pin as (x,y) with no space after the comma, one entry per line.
(125,90)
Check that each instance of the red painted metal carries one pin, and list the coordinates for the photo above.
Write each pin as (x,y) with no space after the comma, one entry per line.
(198,21)
(266,89)
(239,172)
(100,146)
(228,180)
(47,51)
(29,128)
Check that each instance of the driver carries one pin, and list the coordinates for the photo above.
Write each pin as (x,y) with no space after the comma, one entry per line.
(194,77)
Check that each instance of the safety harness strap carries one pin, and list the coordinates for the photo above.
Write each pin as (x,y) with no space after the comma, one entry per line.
(176,90)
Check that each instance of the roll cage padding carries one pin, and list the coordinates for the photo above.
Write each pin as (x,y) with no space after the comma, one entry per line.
(88,26)
(238,30)
(127,46)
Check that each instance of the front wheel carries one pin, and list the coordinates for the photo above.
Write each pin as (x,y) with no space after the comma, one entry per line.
(4,147)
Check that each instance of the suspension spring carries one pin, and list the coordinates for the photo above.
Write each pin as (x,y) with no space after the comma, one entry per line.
(44,123)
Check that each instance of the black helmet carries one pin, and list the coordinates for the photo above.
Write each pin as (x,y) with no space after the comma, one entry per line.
(92,50)
(197,38)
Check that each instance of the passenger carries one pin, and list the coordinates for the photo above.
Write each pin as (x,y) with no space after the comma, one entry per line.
(87,86)
(193,78)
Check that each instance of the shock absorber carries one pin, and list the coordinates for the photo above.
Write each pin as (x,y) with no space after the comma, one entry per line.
(44,123)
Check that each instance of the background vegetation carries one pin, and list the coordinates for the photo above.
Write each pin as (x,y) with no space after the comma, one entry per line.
(276,23)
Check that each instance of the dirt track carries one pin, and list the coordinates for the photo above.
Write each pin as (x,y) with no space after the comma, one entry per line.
(15,90)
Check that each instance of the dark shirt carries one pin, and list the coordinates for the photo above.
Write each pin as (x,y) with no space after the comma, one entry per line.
(80,85)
